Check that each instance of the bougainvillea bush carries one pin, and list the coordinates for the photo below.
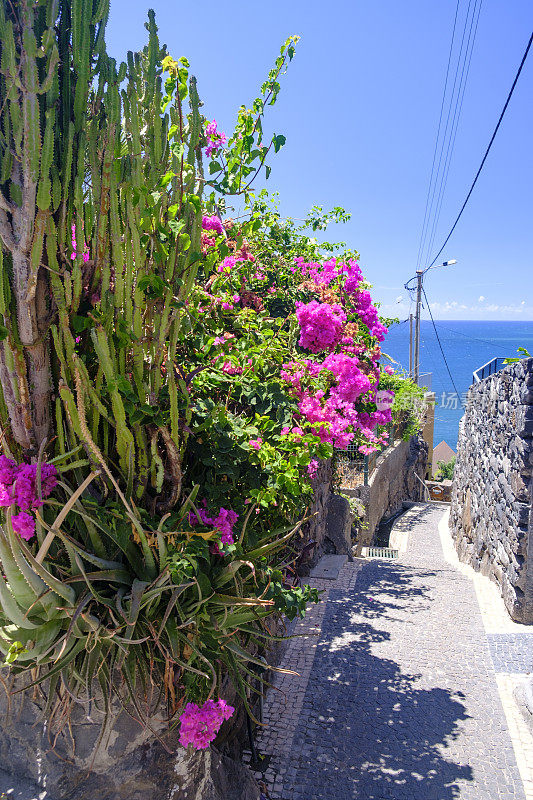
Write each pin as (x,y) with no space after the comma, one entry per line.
(171,378)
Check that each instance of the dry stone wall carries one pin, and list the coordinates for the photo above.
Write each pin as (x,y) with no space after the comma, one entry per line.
(328,529)
(491,512)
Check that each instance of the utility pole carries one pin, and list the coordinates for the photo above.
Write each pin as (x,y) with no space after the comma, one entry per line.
(410,345)
(419,275)
(414,364)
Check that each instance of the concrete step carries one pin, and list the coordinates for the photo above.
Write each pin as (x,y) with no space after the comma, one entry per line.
(328,567)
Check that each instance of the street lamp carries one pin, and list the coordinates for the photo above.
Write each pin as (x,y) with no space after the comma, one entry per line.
(419,277)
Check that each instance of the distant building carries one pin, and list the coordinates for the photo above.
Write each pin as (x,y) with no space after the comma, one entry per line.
(442,452)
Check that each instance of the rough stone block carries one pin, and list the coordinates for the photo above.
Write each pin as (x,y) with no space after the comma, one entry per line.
(491,509)
(130,764)
(339,524)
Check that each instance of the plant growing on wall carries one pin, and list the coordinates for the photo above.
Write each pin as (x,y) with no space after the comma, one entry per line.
(446,469)
(409,405)
(162,411)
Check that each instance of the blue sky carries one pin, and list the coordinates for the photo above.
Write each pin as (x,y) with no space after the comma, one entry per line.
(359,107)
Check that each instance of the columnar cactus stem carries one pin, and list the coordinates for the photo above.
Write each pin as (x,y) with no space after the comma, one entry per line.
(100,202)
(43,111)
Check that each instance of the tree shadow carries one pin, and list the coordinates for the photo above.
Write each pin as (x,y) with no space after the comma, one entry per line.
(368,730)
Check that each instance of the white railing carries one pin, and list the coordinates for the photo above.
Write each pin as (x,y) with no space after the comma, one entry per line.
(490,368)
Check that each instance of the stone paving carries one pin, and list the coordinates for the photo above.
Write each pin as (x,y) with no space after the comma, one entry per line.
(510,653)
(397,696)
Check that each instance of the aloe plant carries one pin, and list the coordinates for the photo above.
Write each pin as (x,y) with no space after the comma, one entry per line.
(105,629)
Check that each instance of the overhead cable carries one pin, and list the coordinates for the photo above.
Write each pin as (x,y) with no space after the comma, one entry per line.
(487,151)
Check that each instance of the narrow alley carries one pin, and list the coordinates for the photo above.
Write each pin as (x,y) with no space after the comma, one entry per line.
(405,686)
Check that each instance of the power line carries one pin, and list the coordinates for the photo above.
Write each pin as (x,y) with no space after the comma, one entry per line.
(438,340)
(423,232)
(445,138)
(487,151)
(472,33)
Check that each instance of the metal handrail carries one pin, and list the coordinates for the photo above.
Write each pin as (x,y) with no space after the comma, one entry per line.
(424,484)
(490,368)
(366,465)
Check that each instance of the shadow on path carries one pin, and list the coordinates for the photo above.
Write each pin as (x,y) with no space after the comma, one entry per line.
(370,732)
(402,701)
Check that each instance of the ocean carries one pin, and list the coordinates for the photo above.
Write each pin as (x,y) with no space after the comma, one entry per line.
(467,346)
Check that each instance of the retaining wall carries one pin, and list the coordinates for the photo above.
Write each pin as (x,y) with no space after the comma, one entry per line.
(398,476)
(329,527)
(491,512)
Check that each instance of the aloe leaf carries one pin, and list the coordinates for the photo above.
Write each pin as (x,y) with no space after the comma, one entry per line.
(33,580)
(19,586)
(11,608)
(58,667)
(229,572)
(272,547)
(66,592)
(92,559)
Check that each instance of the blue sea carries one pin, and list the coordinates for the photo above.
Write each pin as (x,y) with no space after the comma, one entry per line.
(467,346)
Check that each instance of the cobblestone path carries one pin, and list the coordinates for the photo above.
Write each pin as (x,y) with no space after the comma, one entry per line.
(398,697)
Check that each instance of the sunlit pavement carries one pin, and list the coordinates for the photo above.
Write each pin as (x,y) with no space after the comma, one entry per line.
(405,690)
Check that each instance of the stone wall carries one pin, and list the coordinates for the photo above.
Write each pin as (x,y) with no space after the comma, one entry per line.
(329,527)
(130,762)
(397,477)
(491,512)
(321,485)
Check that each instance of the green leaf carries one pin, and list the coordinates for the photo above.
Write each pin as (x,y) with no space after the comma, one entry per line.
(278,142)
(165,180)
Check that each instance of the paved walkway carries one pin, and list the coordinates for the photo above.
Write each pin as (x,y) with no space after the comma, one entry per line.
(405,690)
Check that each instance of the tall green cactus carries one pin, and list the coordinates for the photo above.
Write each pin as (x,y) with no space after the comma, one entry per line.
(85,147)
(49,52)
(101,188)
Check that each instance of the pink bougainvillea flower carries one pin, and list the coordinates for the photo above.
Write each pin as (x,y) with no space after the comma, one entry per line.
(6,497)
(321,325)
(23,524)
(18,483)
(85,254)
(228,264)
(312,468)
(367,449)
(25,491)
(369,315)
(389,370)
(213,223)
(231,369)
(215,138)
(256,443)
(200,724)
(7,469)
(223,523)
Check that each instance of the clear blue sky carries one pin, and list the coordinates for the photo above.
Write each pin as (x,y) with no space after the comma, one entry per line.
(359,107)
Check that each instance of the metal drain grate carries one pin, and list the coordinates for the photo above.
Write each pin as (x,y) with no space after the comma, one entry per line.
(380,552)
